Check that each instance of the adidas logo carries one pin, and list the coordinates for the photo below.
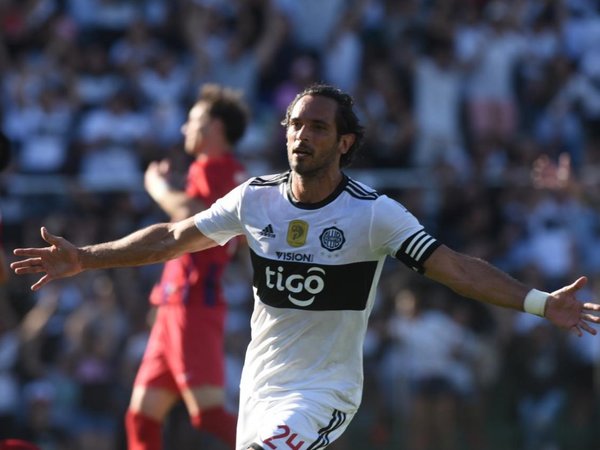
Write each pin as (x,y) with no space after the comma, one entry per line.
(267,231)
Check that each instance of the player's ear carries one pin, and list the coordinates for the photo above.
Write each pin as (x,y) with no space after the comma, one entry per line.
(346,141)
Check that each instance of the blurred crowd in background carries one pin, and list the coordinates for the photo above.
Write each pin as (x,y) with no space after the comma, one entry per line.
(460,98)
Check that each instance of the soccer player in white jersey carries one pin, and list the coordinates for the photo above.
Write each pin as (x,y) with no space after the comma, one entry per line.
(318,240)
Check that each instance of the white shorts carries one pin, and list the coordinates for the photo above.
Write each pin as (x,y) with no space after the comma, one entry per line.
(291,423)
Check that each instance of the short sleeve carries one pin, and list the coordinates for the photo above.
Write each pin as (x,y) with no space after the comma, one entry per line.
(398,233)
(221,222)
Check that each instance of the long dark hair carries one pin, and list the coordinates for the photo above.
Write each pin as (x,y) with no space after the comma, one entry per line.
(346,119)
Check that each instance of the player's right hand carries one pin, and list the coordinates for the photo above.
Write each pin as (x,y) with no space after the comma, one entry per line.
(59,260)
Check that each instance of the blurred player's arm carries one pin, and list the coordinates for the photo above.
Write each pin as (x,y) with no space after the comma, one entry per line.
(476,279)
(154,244)
(175,203)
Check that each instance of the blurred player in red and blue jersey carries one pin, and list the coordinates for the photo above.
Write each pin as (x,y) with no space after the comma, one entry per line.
(184,358)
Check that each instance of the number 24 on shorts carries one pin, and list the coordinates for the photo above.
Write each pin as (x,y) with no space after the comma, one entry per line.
(285,433)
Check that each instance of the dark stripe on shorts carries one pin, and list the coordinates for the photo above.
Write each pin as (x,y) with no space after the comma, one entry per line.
(256,446)
(337,420)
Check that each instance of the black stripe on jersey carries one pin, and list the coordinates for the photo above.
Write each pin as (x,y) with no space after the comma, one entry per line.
(271,180)
(416,249)
(337,420)
(313,287)
(359,192)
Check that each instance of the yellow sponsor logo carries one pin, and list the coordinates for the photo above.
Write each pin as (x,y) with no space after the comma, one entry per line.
(296,234)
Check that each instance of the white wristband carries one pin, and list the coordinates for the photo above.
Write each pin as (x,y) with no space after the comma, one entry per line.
(535,302)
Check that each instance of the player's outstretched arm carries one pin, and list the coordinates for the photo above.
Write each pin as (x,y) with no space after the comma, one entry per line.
(476,279)
(153,244)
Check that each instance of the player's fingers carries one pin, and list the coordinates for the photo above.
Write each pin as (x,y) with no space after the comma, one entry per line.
(577,330)
(35,252)
(26,263)
(590,318)
(41,282)
(591,306)
(29,269)
(586,327)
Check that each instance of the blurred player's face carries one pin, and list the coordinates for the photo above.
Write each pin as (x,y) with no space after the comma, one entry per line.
(313,144)
(200,130)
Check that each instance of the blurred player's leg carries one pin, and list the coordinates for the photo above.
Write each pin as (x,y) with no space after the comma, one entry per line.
(143,433)
(145,416)
(218,422)
(207,413)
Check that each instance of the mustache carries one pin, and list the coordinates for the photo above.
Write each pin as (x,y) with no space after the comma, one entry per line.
(302,147)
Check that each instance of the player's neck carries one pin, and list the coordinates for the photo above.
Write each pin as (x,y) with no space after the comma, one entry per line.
(212,152)
(314,188)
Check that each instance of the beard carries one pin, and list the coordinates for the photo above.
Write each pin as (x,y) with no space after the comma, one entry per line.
(312,164)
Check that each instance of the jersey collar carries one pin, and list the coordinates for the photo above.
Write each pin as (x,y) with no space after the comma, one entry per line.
(331,197)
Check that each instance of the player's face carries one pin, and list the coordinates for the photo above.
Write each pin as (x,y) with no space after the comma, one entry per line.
(313,144)
(199,130)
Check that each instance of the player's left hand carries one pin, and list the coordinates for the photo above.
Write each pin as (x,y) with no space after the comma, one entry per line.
(568,313)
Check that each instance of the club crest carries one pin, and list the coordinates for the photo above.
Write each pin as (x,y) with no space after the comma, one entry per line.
(332,239)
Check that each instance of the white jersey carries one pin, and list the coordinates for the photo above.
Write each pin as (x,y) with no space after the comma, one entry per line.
(316,268)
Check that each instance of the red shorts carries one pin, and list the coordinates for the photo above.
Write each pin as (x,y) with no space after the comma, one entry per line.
(185,349)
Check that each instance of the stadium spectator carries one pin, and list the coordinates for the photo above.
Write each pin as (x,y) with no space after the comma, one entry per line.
(344,53)
(96,79)
(437,355)
(114,141)
(492,61)
(438,98)
(313,23)
(95,332)
(9,339)
(41,130)
(40,425)
(135,49)
(9,382)
(164,78)
(237,57)
(538,359)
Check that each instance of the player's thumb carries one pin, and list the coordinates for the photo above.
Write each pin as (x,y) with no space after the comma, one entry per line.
(49,237)
(578,284)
